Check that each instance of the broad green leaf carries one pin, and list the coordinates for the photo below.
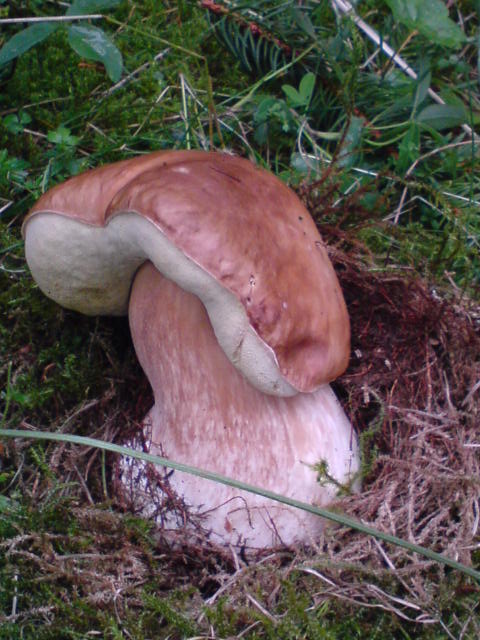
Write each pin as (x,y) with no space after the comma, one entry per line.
(430,18)
(408,149)
(262,112)
(62,136)
(260,134)
(92,43)
(307,84)
(25,40)
(299,162)
(300,98)
(16,124)
(423,85)
(293,95)
(442,116)
(347,156)
(83,7)
(304,22)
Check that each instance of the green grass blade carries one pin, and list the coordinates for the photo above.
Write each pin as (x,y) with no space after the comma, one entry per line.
(209,475)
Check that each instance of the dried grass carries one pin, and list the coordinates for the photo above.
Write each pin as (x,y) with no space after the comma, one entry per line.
(413,391)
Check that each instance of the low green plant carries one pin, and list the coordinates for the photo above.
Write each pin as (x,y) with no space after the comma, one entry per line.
(89,42)
(430,19)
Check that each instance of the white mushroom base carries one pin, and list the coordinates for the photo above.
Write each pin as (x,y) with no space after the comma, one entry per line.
(206,414)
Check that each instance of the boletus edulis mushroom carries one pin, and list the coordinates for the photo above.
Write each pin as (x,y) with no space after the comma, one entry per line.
(237,318)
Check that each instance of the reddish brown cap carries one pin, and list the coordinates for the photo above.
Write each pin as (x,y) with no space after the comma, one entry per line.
(241,225)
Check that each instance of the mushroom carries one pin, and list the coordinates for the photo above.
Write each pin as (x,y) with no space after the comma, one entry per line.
(237,318)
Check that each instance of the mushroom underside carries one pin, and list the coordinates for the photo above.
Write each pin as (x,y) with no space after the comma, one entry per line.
(208,415)
(94,272)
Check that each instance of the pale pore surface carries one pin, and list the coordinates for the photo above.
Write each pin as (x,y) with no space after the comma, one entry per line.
(93,272)
(208,415)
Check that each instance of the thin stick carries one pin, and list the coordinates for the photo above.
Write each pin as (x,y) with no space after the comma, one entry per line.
(93,16)
(188,141)
(5,206)
(262,610)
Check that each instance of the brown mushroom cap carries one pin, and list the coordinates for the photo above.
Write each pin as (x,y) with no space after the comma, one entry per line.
(231,220)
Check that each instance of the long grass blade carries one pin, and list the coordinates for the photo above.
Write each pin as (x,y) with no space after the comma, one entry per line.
(215,477)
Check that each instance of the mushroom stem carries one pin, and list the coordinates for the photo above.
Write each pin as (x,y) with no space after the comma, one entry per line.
(208,415)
